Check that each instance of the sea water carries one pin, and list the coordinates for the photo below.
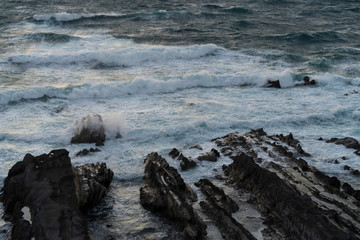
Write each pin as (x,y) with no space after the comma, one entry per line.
(173,74)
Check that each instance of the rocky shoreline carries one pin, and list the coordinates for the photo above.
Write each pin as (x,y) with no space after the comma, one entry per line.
(267,190)
(269,175)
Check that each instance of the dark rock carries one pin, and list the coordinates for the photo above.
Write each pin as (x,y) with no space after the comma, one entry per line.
(174,153)
(219,207)
(217,196)
(93,181)
(346,167)
(320,139)
(347,142)
(186,163)
(295,213)
(166,192)
(331,182)
(307,82)
(344,158)
(273,84)
(90,130)
(357,152)
(356,172)
(211,156)
(21,230)
(301,151)
(302,164)
(258,132)
(289,139)
(49,187)
(348,189)
(85,151)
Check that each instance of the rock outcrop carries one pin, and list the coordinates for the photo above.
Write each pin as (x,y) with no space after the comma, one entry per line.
(90,129)
(211,156)
(166,192)
(54,192)
(294,212)
(186,163)
(348,142)
(174,153)
(307,82)
(85,151)
(273,84)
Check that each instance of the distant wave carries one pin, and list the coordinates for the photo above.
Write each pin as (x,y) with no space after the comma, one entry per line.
(202,79)
(50,37)
(65,17)
(306,38)
(108,56)
(237,10)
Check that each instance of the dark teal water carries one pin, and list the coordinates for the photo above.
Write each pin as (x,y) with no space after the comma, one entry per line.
(302,28)
(179,73)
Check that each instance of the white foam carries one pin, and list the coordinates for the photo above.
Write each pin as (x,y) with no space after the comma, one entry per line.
(111,52)
(114,124)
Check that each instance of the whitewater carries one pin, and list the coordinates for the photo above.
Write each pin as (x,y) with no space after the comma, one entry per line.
(165,81)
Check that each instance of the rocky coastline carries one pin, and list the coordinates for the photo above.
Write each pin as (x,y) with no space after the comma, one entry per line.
(267,190)
(269,175)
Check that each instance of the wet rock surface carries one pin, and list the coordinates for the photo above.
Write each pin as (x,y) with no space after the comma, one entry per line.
(273,84)
(211,156)
(174,153)
(49,187)
(90,129)
(186,163)
(348,142)
(295,213)
(218,207)
(166,192)
(86,151)
(289,198)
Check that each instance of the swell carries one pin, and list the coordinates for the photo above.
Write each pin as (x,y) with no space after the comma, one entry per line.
(311,38)
(50,37)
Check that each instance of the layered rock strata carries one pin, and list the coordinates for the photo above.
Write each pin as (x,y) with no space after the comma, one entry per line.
(165,191)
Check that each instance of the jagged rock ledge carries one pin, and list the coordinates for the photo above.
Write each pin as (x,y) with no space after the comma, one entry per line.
(44,196)
(165,191)
(270,175)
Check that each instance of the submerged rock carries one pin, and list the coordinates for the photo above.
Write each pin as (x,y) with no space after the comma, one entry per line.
(49,186)
(211,156)
(165,191)
(196,146)
(90,130)
(85,151)
(347,142)
(307,82)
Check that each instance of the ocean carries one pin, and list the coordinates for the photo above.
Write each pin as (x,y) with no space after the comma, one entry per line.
(173,74)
